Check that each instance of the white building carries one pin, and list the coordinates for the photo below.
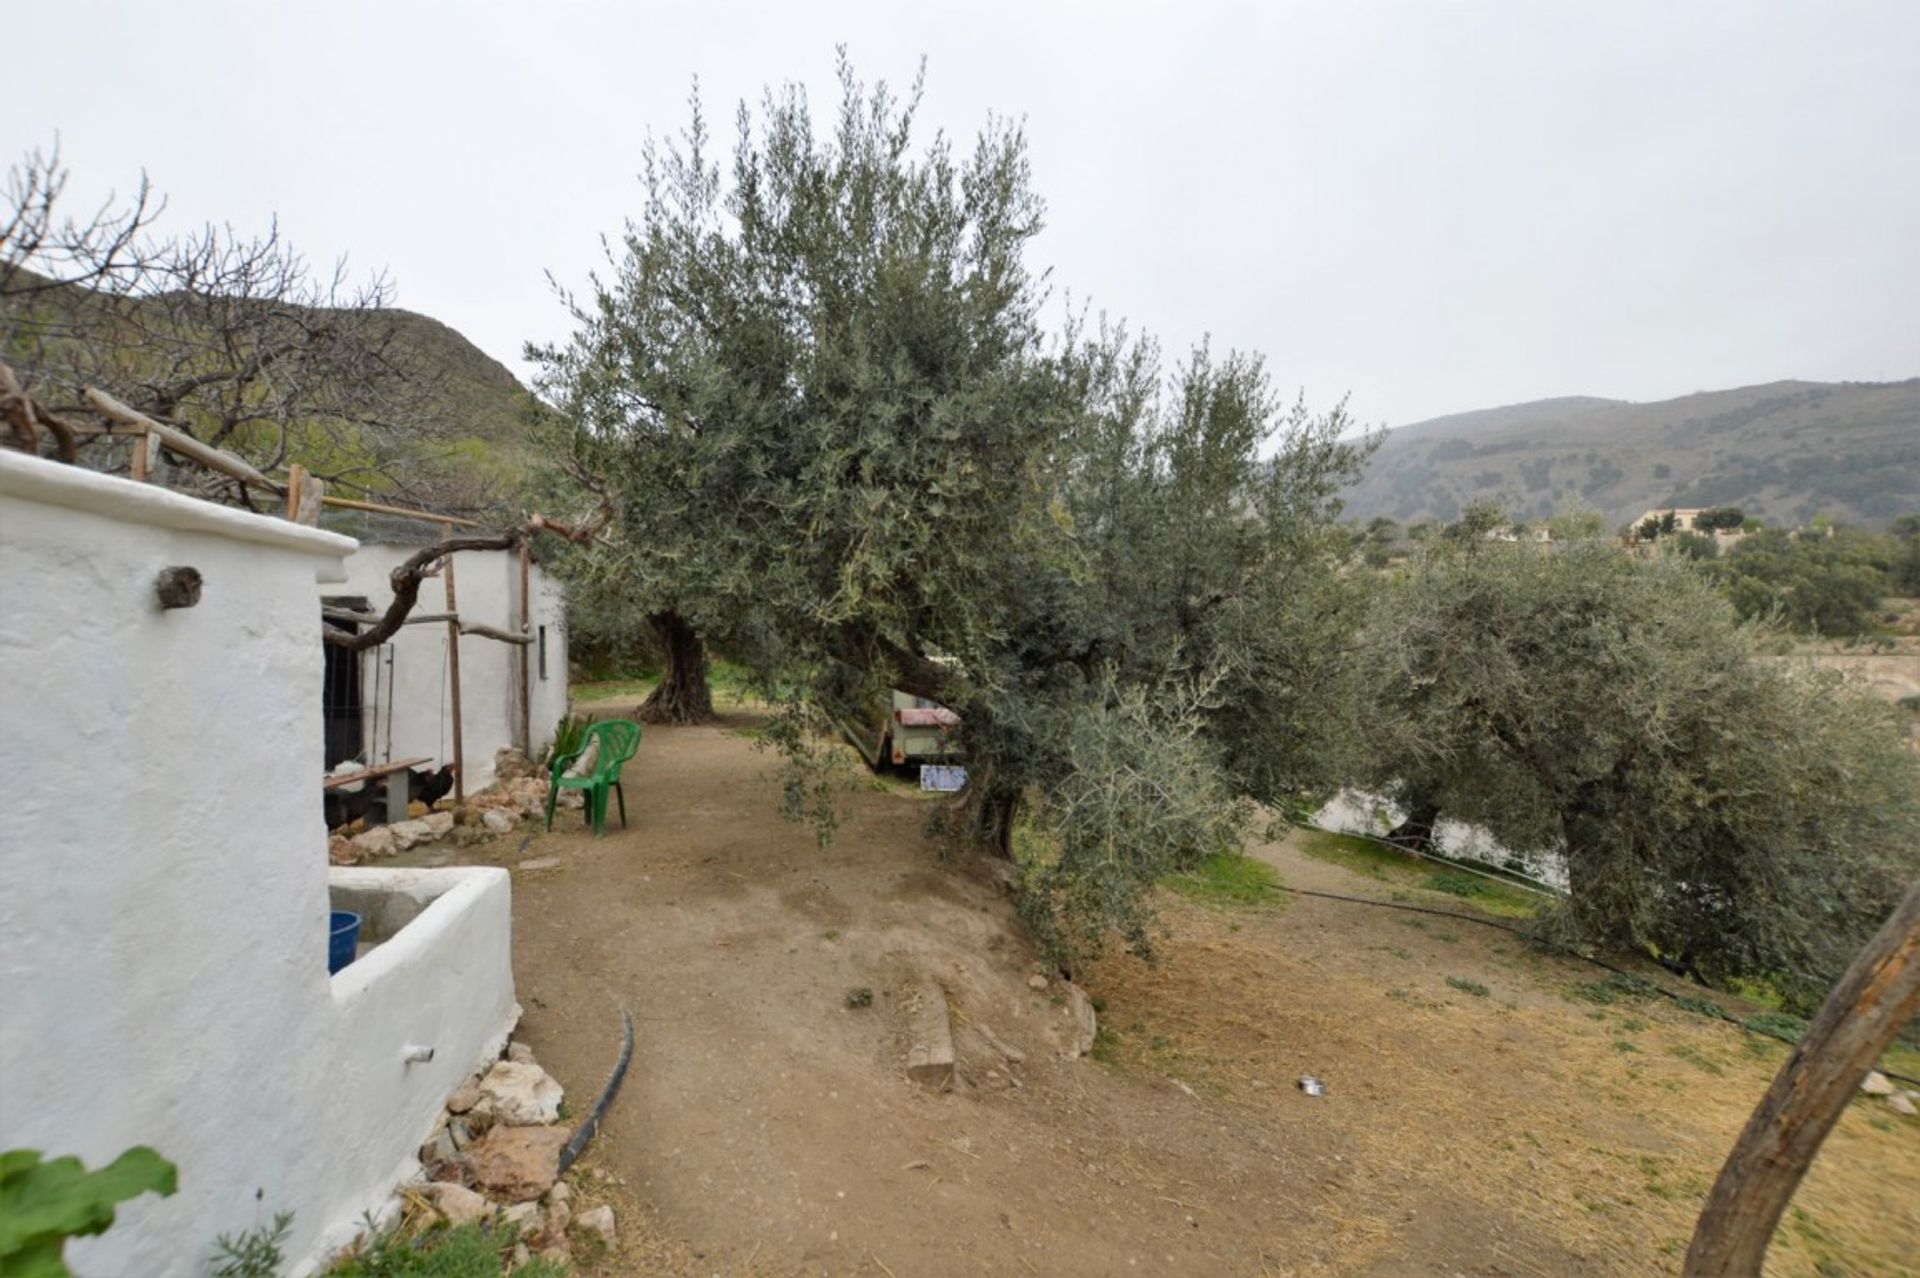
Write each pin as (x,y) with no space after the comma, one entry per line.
(164,887)
(395,701)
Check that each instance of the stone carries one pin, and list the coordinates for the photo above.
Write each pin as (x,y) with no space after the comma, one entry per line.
(439,824)
(341,851)
(408,833)
(1084,1028)
(519,1051)
(462,1133)
(559,1216)
(523,1094)
(1037,982)
(441,1148)
(458,1204)
(597,1221)
(524,1217)
(464,1097)
(521,1256)
(541,863)
(499,820)
(375,842)
(1876,1084)
(560,1193)
(930,1050)
(517,1163)
(510,764)
(1899,1104)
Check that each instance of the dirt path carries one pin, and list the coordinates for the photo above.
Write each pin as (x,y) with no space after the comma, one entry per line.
(768,1128)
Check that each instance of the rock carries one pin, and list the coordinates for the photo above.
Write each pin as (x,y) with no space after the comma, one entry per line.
(524,1217)
(930,1054)
(559,1216)
(1901,1105)
(460,1205)
(517,1163)
(1876,1084)
(541,863)
(560,1193)
(375,842)
(1079,1011)
(523,1094)
(519,1051)
(464,1097)
(441,1148)
(341,851)
(499,820)
(597,1221)
(510,764)
(1037,982)
(408,833)
(440,824)
(462,1133)
(521,1256)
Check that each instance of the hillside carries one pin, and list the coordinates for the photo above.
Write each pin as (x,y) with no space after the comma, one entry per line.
(1785,451)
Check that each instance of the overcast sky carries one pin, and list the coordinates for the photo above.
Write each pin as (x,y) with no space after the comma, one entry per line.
(1430,207)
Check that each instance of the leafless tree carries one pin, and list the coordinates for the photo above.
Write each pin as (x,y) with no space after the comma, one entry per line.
(233,340)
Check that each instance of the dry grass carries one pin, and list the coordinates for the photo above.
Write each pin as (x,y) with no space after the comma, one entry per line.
(1599,1127)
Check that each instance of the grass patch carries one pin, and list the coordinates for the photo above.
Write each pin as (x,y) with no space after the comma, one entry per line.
(1377,861)
(1466,986)
(727,681)
(1230,879)
(1777,1025)
(1618,986)
(1697,1058)
(470,1251)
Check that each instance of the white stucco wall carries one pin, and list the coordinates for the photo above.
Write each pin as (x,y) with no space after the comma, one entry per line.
(164,884)
(487,590)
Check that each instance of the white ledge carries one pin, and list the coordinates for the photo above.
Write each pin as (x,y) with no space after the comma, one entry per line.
(51,483)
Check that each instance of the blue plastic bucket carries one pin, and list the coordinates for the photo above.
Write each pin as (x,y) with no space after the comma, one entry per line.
(342,936)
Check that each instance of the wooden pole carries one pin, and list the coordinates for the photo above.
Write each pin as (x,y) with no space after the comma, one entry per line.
(187,446)
(453,676)
(142,456)
(526,628)
(349,503)
(1879,994)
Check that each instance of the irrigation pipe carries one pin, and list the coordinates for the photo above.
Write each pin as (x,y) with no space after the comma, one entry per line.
(578,1144)
(1655,986)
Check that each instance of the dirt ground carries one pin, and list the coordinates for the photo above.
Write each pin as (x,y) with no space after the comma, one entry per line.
(768,1128)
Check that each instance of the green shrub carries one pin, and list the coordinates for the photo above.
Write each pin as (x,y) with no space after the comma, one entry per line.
(43,1203)
(1784,1025)
(1466,986)
(471,1251)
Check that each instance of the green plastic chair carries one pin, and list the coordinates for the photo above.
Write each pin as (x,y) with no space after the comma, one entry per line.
(619,740)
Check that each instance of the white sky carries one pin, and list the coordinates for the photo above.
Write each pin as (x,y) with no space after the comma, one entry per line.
(1430,206)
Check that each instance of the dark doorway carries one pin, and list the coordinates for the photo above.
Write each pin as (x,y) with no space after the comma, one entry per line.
(341,705)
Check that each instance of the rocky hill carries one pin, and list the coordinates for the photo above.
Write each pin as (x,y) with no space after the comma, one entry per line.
(1786,451)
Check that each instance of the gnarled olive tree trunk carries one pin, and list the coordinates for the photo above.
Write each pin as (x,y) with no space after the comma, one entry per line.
(682,695)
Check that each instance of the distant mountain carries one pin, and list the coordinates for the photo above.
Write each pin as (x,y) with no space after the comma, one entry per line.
(1785,451)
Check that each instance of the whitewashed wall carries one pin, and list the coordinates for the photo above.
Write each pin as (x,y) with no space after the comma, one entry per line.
(164,884)
(487,590)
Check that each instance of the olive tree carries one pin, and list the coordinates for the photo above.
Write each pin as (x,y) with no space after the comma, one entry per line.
(846,440)
(1735,813)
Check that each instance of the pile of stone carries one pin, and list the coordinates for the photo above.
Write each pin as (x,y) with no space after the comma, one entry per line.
(1899,1099)
(519,793)
(387,840)
(494,1155)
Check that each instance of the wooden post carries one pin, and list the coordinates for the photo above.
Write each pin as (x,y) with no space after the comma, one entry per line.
(142,456)
(1878,994)
(526,628)
(305,495)
(453,677)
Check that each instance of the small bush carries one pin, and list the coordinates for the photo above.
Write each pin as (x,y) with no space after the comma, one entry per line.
(471,1251)
(860,996)
(1782,1025)
(1617,986)
(1466,986)
(256,1253)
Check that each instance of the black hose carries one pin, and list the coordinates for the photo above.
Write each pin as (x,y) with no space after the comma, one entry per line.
(584,1133)
(1655,986)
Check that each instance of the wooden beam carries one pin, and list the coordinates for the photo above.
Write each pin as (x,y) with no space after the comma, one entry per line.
(453,676)
(1879,994)
(374,507)
(177,441)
